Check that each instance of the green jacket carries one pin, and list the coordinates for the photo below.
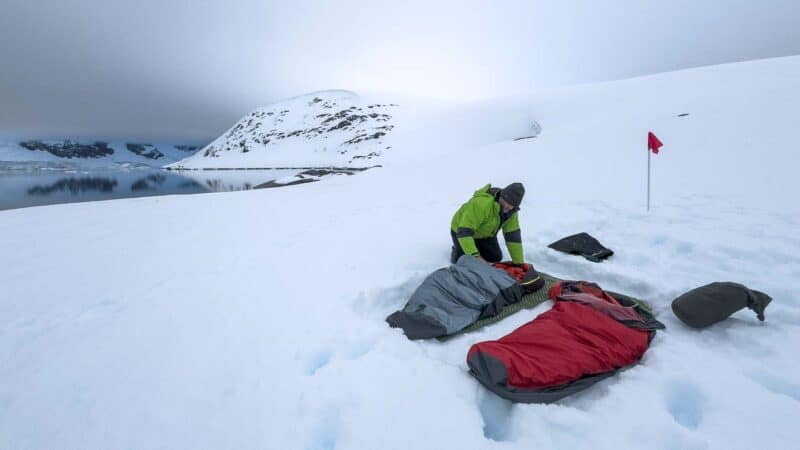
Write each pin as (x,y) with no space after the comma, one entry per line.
(482,217)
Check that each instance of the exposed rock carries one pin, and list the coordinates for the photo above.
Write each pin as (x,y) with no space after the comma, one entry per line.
(330,122)
(145,150)
(70,149)
(273,184)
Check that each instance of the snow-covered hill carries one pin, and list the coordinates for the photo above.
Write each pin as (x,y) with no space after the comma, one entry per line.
(256,319)
(322,129)
(91,154)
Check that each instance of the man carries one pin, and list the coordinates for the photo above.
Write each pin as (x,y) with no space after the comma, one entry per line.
(475,225)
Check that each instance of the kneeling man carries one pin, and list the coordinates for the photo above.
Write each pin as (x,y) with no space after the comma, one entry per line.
(475,225)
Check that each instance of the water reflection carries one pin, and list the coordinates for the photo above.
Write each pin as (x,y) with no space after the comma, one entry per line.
(189,184)
(75,186)
(21,188)
(236,180)
(150,182)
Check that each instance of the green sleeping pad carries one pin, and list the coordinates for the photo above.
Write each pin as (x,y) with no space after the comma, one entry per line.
(533,300)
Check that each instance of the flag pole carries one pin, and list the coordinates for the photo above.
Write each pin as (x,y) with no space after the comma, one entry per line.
(653,144)
(648,179)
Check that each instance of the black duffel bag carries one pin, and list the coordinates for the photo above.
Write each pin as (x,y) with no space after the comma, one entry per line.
(715,302)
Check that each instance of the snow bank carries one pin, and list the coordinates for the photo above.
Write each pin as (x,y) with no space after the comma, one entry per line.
(256,319)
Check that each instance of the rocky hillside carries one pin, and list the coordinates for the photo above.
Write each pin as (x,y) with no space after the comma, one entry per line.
(323,129)
(92,153)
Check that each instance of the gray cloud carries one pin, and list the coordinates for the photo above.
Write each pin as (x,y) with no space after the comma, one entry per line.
(180,69)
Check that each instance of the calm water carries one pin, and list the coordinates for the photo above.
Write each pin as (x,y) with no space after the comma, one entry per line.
(22,188)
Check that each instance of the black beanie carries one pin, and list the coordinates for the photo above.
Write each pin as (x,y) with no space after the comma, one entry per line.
(513,194)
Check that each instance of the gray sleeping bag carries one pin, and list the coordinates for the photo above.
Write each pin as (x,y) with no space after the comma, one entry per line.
(454,297)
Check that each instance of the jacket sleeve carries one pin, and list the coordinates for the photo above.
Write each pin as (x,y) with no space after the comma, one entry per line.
(469,221)
(513,237)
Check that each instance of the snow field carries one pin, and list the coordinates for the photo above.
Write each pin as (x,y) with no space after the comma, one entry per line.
(256,319)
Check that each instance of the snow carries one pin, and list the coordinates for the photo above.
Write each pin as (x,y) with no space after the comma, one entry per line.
(321,129)
(255,319)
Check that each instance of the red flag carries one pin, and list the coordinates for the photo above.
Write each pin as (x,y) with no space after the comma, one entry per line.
(653,144)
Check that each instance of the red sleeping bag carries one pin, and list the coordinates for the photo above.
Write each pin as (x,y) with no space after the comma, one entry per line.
(586,336)
(517,272)
(525,274)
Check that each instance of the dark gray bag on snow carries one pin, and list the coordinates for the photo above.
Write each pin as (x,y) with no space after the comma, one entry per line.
(452,298)
(582,244)
(715,302)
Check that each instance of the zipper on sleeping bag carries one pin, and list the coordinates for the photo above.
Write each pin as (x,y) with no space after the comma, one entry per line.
(532,281)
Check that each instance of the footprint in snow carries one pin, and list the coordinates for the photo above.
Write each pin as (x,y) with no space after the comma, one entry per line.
(323,357)
(685,402)
(683,248)
(777,385)
(325,433)
(317,361)
(98,311)
(678,441)
(384,301)
(496,414)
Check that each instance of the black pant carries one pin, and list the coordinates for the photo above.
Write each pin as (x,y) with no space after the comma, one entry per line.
(488,248)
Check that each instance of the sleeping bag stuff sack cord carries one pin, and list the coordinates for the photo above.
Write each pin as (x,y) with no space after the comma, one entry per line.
(587,335)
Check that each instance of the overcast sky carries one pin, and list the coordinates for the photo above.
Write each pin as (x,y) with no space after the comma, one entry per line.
(187,69)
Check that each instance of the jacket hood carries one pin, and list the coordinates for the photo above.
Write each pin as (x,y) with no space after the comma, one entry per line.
(493,192)
(487,190)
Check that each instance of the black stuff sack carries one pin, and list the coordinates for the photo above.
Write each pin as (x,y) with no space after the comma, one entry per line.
(582,244)
(715,302)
